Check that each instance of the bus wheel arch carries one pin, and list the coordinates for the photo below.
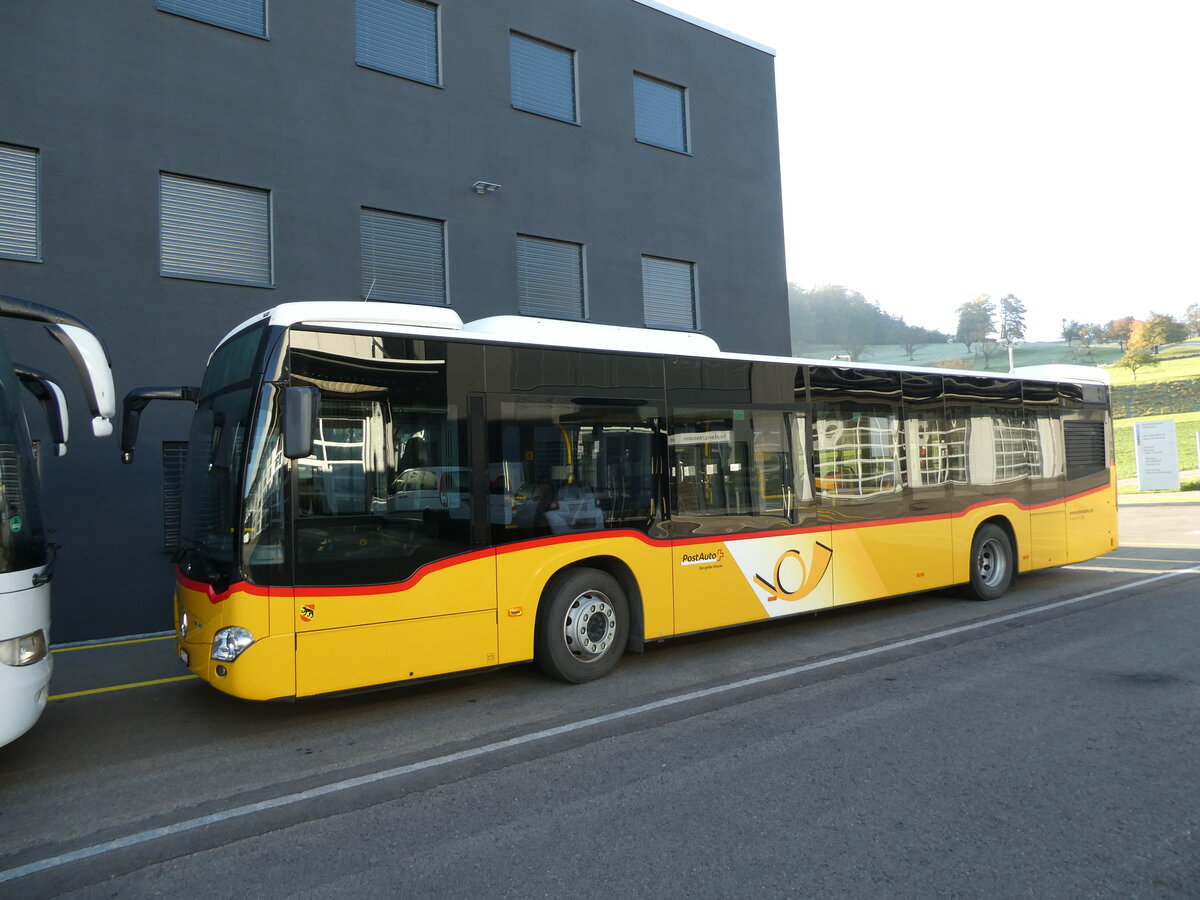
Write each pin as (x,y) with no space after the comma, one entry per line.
(585,621)
(992,565)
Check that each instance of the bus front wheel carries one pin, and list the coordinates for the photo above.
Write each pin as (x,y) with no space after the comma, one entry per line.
(583,626)
(993,563)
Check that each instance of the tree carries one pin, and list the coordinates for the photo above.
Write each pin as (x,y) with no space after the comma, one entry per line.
(989,347)
(1137,357)
(1191,318)
(1012,320)
(913,339)
(824,315)
(1089,334)
(1118,330)
(975,321)
(1070,331)
(1156,332)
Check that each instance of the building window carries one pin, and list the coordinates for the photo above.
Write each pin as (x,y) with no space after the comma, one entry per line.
(403,258)
(399,37)
(19,203)
(660,113)
(543,78)
(550,278)
(246,16)
(215,232)
(669,293)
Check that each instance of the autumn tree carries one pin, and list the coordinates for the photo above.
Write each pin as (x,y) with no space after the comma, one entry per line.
(976,320)
(1117,332)
(1157,331)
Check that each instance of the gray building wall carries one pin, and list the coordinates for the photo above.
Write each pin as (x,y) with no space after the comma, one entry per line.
(114,92)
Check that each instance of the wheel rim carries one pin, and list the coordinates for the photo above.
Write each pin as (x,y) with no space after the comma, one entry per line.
(590,626)
(992,563)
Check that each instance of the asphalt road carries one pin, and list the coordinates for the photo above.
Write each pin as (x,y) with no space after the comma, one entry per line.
(1041,745)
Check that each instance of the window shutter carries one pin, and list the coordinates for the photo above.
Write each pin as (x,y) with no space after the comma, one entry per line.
(248,16)
(215,232)
(550,278)
(543,78)
(399,37)
(660,113)
(19,203)
(669,293)
(403,258)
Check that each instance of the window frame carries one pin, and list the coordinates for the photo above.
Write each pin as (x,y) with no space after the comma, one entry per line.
(36,207)
(365,289)
(572,55)
(693,271)
(685,131)
(216,22)
(269,236)
(522,283)
(406,75)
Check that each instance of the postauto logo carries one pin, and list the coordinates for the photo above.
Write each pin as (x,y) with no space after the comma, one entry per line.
(705,556)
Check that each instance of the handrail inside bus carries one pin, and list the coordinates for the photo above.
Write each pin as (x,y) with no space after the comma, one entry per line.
(85,348)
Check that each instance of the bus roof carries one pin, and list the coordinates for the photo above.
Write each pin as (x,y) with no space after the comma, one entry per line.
(435,321)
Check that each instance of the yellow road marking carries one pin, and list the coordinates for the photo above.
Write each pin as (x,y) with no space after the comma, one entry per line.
(161,637)
(119,687)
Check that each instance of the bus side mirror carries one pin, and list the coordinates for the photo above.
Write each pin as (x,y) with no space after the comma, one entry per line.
(299,421)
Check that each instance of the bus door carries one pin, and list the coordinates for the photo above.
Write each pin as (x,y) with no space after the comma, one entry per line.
(746,540)
(391,582)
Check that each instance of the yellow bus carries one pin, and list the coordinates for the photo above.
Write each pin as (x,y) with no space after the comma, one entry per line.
(378,493)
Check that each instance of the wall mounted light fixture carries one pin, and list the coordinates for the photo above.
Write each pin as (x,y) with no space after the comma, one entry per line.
(485,187)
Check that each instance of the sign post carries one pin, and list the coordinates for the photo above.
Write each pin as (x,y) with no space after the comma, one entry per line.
(1157,457)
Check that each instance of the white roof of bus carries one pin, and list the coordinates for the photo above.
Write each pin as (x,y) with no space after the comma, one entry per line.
(435,321)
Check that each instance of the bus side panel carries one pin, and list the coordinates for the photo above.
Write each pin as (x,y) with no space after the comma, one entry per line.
(1047,538)
(1092,518)
(343,659)
(719,583)
(523,570)
(896,558)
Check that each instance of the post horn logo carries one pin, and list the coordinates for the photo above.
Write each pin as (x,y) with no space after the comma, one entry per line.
(794,580)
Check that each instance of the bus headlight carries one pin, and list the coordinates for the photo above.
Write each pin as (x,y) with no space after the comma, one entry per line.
(230,643)
(24,650)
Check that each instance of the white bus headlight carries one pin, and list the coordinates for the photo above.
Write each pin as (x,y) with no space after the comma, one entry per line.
(230,643)
(24,650)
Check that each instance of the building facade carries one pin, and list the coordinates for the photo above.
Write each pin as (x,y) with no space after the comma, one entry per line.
(170,168)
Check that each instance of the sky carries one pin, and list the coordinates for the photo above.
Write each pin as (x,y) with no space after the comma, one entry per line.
(936,150)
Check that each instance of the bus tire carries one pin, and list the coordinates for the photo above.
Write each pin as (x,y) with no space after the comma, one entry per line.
(993,563)
(582,627)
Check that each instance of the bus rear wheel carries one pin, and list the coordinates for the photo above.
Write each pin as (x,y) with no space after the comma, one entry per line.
(993,563)
(583,626)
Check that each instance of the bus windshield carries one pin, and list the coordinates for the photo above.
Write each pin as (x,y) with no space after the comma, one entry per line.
(216,455)
(22,540)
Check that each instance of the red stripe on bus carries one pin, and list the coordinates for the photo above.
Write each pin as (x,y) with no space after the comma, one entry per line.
(430,568)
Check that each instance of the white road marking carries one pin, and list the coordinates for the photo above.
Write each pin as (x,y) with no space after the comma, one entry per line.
(237,812)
